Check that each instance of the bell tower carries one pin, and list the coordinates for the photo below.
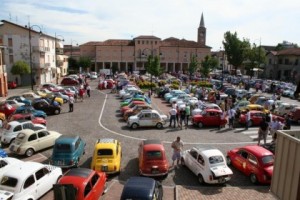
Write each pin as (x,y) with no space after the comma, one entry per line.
(201,32)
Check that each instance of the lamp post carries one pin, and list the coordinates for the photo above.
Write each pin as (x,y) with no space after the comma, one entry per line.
(56,53)
(30,28)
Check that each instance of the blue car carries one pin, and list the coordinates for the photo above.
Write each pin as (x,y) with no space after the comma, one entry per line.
(29,109)
(3,153)
(20,99)
(67,151)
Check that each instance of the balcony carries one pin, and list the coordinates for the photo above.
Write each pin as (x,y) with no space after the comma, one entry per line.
(59,51)
(40,49)
(40,65)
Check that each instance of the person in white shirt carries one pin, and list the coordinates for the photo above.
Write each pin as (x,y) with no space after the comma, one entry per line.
(231,115)
(248,118)
(177,146)
(173,113)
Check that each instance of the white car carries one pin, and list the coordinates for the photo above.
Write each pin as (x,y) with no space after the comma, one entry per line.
(126,90)
(29,141)
(147,118)
(240,93)
(198,111)
(209,165)
(13,128)
(31,96)
(31,180)
(14,103)
(7,162)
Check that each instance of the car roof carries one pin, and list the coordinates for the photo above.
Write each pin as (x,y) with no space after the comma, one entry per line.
(212,110)
(22,171)
(138,188)
(79,172)
(66,139)
(106,140)
(153,141)
(15,123)
(257,151)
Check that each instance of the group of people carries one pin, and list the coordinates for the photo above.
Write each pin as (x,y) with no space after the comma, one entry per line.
(83,89)
(180,115)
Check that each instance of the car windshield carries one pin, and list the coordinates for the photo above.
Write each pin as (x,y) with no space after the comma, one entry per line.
(105,152)
(154,154)
(215,159)
(9,181)
(63,147)
(267,160)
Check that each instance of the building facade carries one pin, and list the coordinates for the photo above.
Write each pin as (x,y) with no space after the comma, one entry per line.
(37,49)
(3,74)
(131,55)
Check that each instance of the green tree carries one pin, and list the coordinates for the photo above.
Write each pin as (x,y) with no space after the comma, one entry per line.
(20,68)
(235,49)
(255,58)
(207,65)
(84,62)
(193,66)
(153,67)
(73,65)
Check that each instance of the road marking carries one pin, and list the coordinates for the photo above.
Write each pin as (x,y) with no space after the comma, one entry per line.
(167,142)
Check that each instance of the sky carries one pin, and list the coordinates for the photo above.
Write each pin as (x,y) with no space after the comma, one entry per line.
(265,22)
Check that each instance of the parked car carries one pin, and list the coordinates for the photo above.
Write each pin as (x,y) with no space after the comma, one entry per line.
(135,110)
(28,116)
(6,109)
(142,188)
(67,151)
(44,93)
(30,96)
(13,128)
(241,105)
(198,111)
(2,118)
(3,153)
(69,81)
(284,109)
(254,161)
(128,101)
(107,156)
(241,93)
(50,109)
(11,84)
(147,118)
(7,162)
(209,165)
(256,118)
(20,99)
(51,86)
(31,180)
(80,184)
(131,105)
(30,109)
(29,141)
(64,97)
(152,159)
(14,103)
(295,115)
(209,117)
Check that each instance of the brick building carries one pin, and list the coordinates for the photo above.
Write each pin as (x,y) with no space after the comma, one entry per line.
(3,74)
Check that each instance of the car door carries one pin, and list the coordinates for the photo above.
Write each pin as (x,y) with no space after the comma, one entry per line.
(44,181)
(29,187)
(145,119)
(155,119)
(251,165)
(199,165)
(44,140)
(240,160)
(209,118)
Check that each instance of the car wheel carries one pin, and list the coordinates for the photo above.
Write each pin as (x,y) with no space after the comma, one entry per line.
(134,126)
(253,178)
(228,160)
(200,179)
(29,152)
(200,125)
(159,125)
(56,112)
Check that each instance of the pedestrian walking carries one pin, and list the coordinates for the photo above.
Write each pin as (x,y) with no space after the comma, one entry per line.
(182,117)
(187,115)
(173,113)
(81,93)
(88,90)
(231,115)
(71,103)
(263,131)
(177,146)
(248,118)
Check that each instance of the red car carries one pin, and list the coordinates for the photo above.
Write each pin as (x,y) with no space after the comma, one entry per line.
(256,117)
(69,81)
(66,92)
(209,117)
(110,84)
(254,161)
(152,159)
(28,116)
(11,85)
(131,105)
(80,184)
(6,109)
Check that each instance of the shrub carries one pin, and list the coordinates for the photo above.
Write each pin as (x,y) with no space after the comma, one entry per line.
(162,83)
(175,82)
(146,84)
(174,86)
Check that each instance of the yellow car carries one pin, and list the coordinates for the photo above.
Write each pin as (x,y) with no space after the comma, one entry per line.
(50,95)
(256,107)
(2,117)
(107,156)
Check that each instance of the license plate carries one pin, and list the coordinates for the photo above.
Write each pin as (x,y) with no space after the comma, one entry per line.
(155,171)
(104,168)
(222,180)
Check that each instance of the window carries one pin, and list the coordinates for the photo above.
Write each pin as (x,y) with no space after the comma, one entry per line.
(286,61)
(154,154)
(29,182)
(193,153)
(10,42)
(11,59)
(215,159)
(9,181)
(32,137)
(77,143)
(94,179)
(200,160)
(243,154)
(252,159)
(27,125)
(105,152)
(87,189)
(42,134)
(18,128)
(63,147)
(146,116)
(40,174)
(268,159)
(155,116)
(2,163)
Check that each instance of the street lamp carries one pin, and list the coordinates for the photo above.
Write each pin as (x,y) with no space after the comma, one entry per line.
(56,53)
(30,28)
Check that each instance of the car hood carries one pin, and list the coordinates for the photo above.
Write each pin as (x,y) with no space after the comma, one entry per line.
(221,170)
(5,195)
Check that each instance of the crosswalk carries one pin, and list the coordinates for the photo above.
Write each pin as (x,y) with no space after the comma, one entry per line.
(252,132)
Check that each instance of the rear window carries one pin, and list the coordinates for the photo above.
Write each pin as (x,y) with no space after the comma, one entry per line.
(105,152)
(153,154)
(21,136)
(63,147)
(9,181)
(266,160)
(215,159)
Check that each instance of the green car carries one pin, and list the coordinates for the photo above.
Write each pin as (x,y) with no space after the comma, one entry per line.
(128,101)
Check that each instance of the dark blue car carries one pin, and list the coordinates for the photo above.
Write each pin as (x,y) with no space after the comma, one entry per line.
(29,109)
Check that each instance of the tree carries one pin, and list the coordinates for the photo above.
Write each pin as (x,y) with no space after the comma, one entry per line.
(84,62)
(193,66)
(255,58)
(235,49)
(207,65)
(73,64)
(20,68)
(153,67)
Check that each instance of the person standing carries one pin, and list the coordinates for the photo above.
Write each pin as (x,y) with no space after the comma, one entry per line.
(71,103)
(263,131)
(248,118)
(231,115)
(177,146)
(173,113)
(88,90)
(187,115)
(182,117)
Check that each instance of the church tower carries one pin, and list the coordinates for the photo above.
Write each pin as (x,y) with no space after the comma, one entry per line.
(202,32)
